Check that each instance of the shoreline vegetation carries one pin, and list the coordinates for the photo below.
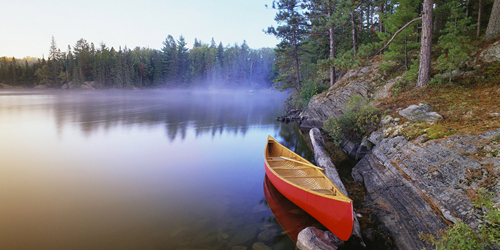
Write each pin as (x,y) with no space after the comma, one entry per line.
(173,66)
(356,66)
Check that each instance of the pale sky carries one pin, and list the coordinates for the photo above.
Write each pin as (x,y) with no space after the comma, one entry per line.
(27,26)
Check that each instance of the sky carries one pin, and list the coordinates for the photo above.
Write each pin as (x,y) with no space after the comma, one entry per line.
(27,26)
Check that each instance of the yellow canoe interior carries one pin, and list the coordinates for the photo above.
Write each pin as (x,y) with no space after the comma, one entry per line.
(296,170)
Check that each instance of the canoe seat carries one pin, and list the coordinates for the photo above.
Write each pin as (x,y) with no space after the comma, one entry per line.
(305,177)
(275,159)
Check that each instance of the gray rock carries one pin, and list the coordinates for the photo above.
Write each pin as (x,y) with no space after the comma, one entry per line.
(183,232)
(420,187)
(375,137)
(358,81)
(221,235)
(87,87)
(369,234)
(420,112)
(312,238)
(448,215)
(245,234)
(393,131)
(40,87)
(350,148)
(260,246)
(267,235)
(453,74)
(385,91)
(364,148)
(386,120)
(239,248)
(6,86)
(64,86)
(491,54)
(260,208)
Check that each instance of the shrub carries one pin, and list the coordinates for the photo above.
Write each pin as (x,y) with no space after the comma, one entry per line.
(454,41)
(462,236)
(359,119)
(306,93)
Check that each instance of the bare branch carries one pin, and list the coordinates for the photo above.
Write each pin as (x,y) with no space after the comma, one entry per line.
(394,36)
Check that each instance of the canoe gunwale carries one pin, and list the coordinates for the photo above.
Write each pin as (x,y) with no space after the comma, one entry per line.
(334,210)
(341,197)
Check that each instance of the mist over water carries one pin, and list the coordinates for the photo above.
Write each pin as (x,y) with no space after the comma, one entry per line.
(147,169)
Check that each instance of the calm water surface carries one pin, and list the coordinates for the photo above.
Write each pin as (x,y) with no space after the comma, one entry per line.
(138,169)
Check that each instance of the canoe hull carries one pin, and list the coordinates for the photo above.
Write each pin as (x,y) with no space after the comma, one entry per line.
(335,215)
(285,211)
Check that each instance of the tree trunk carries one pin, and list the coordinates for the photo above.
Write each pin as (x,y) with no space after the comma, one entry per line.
(332,49)
(424,71)
(467,9)
(297,66)
(436,22)
(354,35)
(323,160)
(406,50)
(380,28)
(368,20)
(480,11)
(332,56)
(494,24)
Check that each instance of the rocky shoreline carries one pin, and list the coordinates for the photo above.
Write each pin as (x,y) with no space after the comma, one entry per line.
(413,186)
(69,85)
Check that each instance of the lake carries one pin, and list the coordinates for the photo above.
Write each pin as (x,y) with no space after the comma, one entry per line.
(145,169)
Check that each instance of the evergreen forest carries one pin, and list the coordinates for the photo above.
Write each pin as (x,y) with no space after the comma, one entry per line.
(174,66)
(321,39)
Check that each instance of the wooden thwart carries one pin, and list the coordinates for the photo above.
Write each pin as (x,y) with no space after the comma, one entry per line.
(282,158)
(288,168)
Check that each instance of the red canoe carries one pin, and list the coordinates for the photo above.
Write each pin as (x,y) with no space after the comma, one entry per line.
(309,188)
(291,217)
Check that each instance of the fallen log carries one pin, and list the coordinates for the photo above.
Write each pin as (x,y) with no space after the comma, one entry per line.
(323,160)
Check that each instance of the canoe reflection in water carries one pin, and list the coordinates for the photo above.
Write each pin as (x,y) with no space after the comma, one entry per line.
(291,217)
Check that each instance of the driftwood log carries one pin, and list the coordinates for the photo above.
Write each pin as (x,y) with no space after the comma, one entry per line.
(323,160)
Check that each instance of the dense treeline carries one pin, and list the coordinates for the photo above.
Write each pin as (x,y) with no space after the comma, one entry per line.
(175,65)
(320,39)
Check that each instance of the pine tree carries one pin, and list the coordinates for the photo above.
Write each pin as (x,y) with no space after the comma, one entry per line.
(54,53)
(182,51)
(156,63)
(404,44)
(455,41)
(291,31)
(326,18)
(54,57)
(118,70)
(171,59)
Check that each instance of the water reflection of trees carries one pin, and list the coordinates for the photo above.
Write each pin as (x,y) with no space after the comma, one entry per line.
(293,138)
(205,112)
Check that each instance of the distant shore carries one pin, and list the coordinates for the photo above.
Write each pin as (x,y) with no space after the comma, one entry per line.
(92,86)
